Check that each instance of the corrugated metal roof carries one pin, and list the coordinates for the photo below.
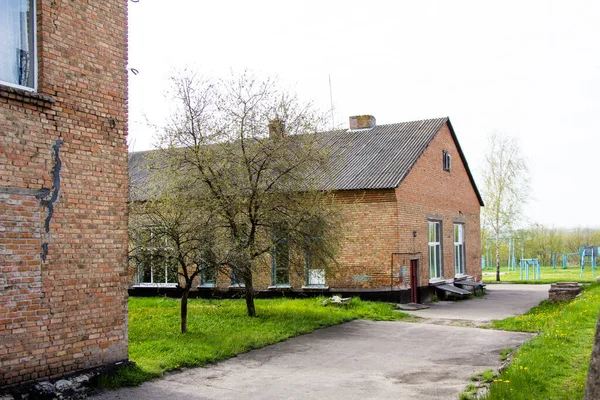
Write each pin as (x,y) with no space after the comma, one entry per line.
(139,176)
(376,158)
(379,157)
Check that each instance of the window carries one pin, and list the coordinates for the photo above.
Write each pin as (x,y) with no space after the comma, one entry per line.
(315,276)
(446,160)
(435,259)
(18,43)
(280,259)
(155,265)
(459,249)
(208,276)
(208,269)
(235,281)
(158,273)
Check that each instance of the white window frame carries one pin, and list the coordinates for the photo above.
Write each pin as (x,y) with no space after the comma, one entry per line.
(459,249)
(33,53)
(434,247)
(153,267)
(281,245)
(315,277)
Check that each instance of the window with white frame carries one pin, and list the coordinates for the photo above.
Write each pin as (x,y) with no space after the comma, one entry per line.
(459,249)
(207,264)
(280,259)
(435,247)
(18,43)
(315,276)
(156,267)
(157,271)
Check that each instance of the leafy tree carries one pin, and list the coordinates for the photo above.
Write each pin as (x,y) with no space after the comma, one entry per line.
(505,188)
(239,157)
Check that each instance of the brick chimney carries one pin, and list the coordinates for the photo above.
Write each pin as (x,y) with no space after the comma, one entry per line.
(276,128)
(362,122)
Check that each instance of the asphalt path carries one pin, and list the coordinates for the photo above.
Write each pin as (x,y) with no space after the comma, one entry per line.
(362,359)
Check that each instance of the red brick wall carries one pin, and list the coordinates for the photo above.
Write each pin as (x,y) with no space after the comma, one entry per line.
(370,237)
(68,312)
(428,190)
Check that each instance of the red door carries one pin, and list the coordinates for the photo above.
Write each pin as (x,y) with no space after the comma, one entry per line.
(414,282)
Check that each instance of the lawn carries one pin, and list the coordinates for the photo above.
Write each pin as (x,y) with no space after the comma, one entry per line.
(220,329)
(548,275)
(554,364)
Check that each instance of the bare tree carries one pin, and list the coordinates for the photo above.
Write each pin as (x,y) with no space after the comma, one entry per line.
(505,189)
(244,154)
(169,237)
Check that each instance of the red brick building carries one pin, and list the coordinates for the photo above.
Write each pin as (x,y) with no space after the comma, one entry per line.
(63,187)
(411,216)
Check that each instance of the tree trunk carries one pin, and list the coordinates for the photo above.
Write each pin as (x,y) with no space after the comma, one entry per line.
(249,292)
(592,386)
(184,303)
(497,256)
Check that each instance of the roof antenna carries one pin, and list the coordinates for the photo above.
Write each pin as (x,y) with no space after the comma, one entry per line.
(331,102)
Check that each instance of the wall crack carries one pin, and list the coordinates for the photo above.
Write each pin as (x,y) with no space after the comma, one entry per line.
(49,202)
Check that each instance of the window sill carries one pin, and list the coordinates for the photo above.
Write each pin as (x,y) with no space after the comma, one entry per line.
(462,277)
(207,286)
(437,281)
(26,96)
(315,287)
(284,286)
(237,286)
(156,285)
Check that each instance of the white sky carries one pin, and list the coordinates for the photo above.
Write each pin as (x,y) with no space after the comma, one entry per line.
(530,69)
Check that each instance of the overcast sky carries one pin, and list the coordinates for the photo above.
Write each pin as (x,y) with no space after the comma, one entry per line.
(530,69)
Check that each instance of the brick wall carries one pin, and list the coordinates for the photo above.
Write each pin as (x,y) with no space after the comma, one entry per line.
(370,237)
(429,191)
(63,194)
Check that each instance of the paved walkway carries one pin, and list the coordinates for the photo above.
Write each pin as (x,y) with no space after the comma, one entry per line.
(500,301)
(361,359)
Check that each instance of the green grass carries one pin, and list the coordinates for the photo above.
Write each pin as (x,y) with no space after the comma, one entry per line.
(220,329)
(553,365)
(548,275)
(505,353)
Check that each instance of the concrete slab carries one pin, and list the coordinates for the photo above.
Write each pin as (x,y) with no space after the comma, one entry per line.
(412,306)
(500,301)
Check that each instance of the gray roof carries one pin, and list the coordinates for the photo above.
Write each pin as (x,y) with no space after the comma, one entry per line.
(379,157)
(139,176)
(375,158)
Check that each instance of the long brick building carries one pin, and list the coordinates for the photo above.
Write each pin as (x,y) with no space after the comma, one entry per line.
(63,187)
(411,218)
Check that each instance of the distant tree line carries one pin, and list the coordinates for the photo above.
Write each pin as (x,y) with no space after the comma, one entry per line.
(541,241)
